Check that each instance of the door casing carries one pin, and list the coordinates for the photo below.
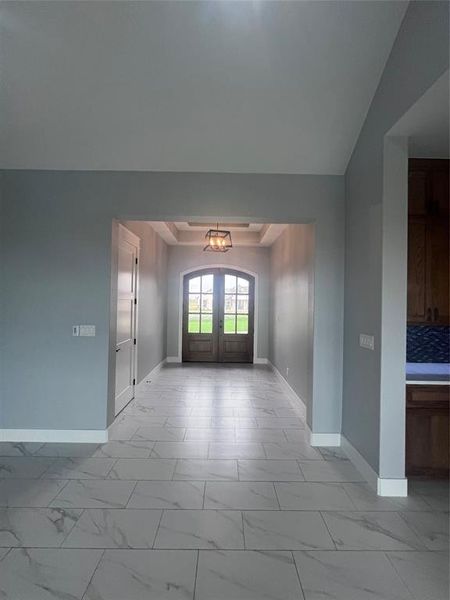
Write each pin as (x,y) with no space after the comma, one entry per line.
(122,399)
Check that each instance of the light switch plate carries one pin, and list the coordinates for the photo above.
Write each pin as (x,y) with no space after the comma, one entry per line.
(366,341)
(75,330)
(87,330)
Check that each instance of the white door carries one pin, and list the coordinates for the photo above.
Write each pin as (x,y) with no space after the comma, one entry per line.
(126,357)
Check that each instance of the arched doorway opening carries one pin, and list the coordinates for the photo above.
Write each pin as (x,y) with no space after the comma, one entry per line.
(218,316)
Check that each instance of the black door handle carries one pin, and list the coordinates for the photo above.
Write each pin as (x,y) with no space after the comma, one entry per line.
(117,349)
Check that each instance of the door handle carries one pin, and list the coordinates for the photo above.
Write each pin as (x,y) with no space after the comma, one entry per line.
(117,349)
(436,313)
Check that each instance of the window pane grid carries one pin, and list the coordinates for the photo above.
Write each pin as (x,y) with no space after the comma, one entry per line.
(200,306)
(236,305)
(201,302)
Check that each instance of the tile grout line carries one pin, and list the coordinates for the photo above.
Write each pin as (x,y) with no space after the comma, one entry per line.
(83,510)
(276,494)
(327,528)
(196,574)
(157,529)
(84,597)
(131,493)
(298,574)
(404,582)
(243,529)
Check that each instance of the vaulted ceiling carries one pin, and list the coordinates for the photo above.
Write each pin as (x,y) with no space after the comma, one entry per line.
(219,86)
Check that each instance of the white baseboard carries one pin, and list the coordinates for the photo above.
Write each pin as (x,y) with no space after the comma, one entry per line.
(173,359)
(296,401)
(256,361)
(392,487)
(69,436)
(318,440)
(382,485)
(369,474)
(152,373)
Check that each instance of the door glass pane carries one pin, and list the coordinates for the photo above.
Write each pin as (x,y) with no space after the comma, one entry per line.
(194,285)
(194,302)
(207,321)
(207,303)
(242,323)
(242,304)
(230,303)
(194,324)
(229,324)
(207,284)
(243,286)
(230,284)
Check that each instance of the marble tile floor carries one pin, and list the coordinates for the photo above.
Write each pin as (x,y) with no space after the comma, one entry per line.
(209,490)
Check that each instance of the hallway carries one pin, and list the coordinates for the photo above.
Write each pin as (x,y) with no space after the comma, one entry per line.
(208,489)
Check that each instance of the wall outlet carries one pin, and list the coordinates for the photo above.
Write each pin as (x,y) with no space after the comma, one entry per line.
(75,330)
(366,341)
(87,330)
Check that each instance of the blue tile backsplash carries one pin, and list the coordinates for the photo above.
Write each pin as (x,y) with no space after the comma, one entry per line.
(428,344)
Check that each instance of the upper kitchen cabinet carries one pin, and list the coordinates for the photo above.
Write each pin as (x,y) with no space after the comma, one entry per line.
(428,192)
(428,242)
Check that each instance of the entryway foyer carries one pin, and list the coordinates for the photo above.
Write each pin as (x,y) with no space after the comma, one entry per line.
(209,490)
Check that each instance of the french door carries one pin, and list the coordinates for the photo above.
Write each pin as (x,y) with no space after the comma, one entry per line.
(218,316)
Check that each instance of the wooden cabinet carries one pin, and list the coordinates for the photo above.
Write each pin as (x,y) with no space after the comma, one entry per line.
(428,242)
(427,430)
(428,187)
(417,293)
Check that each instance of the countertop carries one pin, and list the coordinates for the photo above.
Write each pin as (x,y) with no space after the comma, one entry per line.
(428,373)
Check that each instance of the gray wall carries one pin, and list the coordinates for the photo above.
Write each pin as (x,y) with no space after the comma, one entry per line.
(419,57)
(152,305)
(292,308)
(183,258)
(56,255)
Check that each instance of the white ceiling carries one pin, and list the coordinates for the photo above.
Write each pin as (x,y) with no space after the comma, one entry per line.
(223,86)
(427,122)
(193,234)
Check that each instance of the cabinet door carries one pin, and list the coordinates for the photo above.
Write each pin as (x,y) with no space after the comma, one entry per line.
(417,296)
(418,192)
(438,271)
(439,191)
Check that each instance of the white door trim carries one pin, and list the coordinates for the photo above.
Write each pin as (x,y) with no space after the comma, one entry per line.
(134,240)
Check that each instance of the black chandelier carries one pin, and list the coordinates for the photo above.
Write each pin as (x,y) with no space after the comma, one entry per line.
(218,240)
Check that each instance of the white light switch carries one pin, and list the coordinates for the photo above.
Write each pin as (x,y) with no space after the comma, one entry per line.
(366,341)
(87,330)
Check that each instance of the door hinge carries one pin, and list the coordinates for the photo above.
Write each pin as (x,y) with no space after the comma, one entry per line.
(136,261)
(134,381)
(135,300)
(134,341)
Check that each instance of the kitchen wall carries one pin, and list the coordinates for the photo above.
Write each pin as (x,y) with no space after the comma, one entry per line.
(292,308)
(376,243)
(252,259)
(55,256)
(152,294)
